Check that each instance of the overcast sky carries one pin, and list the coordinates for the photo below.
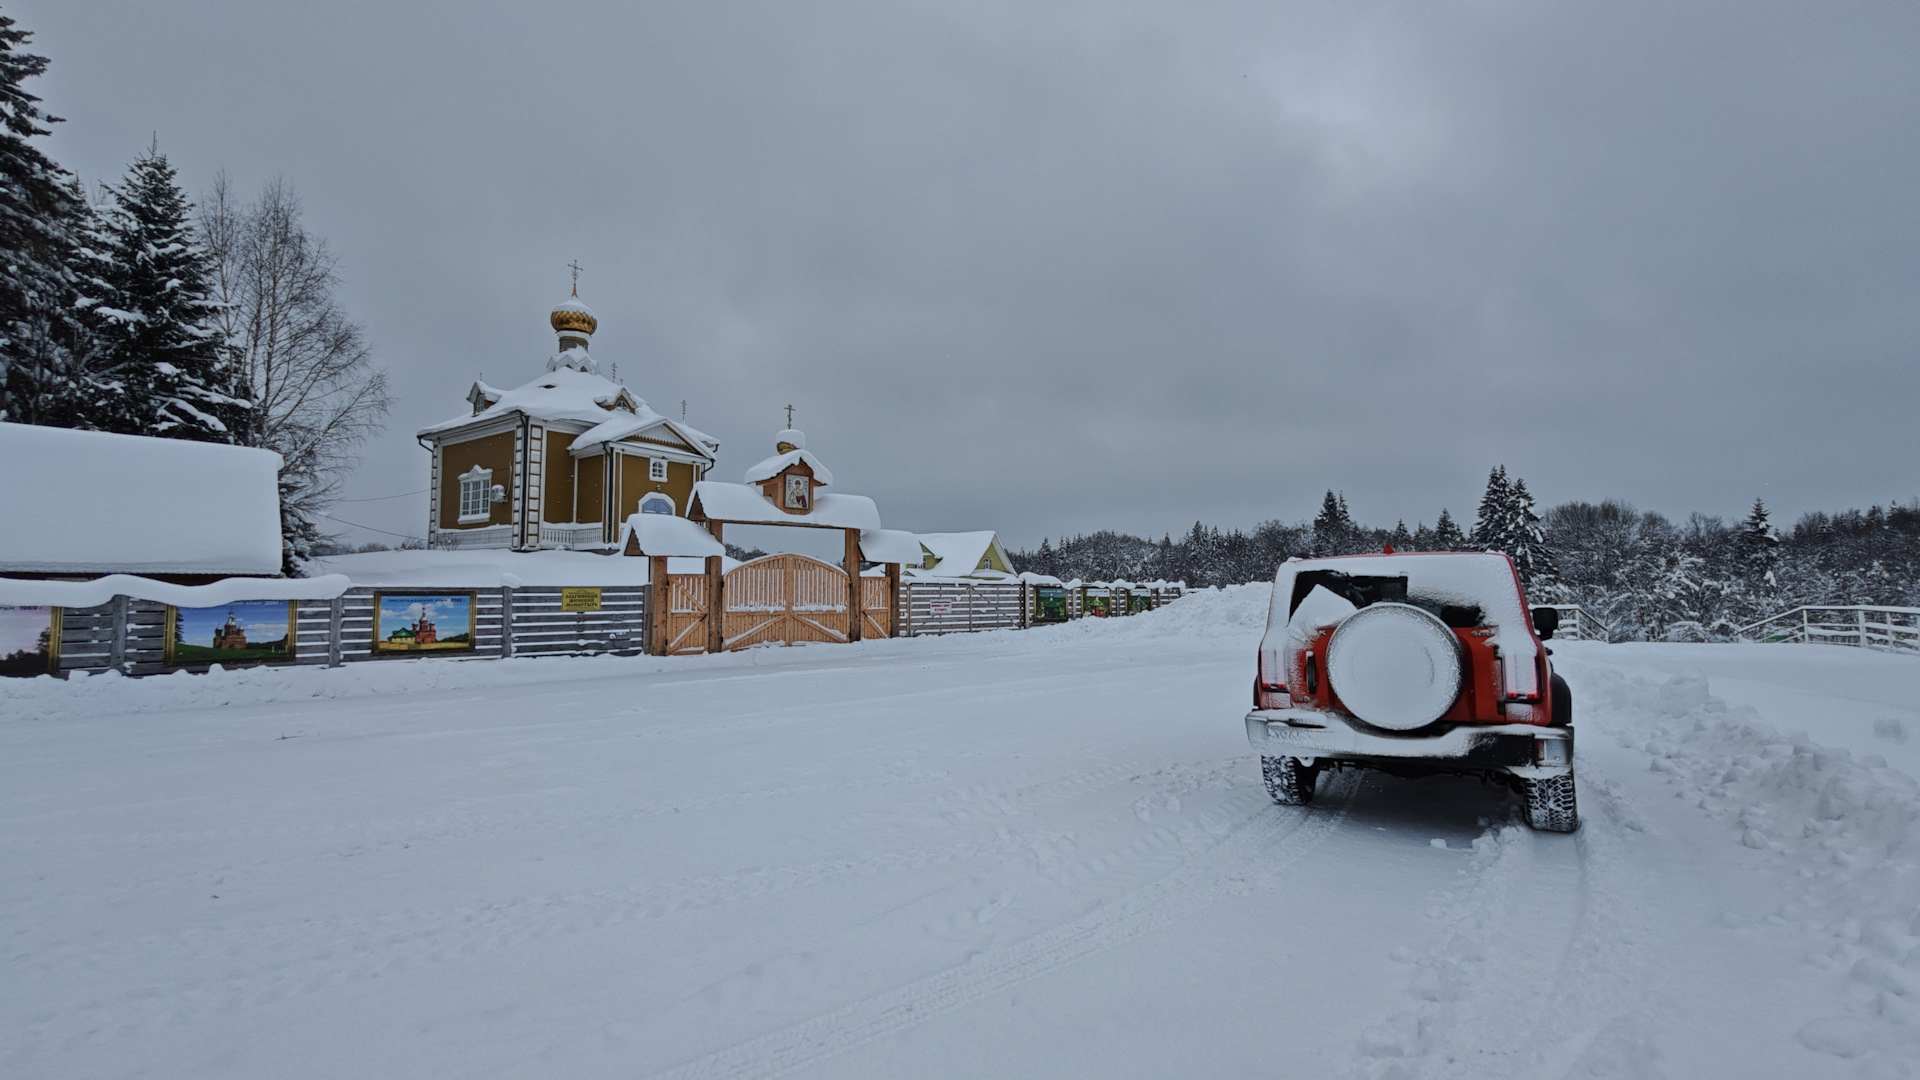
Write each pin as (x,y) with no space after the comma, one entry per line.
(1050,268)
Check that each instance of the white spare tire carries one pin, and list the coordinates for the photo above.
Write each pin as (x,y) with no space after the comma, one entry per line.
(1395,666)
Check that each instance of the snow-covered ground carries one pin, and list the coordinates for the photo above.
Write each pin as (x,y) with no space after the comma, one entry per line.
(1041,853)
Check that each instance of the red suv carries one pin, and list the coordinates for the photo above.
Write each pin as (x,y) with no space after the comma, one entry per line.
(1414,665)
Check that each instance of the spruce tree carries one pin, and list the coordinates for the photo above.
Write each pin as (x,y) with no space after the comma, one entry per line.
(39,209)
(1527,541)
(148,303)
(1332,526)
(1490,531)
(1402,540)
(1447,535)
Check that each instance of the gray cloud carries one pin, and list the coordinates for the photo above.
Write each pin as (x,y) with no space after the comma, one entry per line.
(1051,270)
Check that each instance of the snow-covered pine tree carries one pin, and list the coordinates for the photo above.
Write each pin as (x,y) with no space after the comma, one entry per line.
(1423,538)
(1401,539)
(39,210)
(147,283)
(1447,535)
(1332,526)
(1496,512)
(1531,555)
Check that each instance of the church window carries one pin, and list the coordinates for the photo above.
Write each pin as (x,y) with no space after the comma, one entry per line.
(476,495)
(657,469)
(656,504)
(799,491)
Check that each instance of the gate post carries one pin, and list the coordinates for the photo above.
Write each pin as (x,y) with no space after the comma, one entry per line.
(506,622)
(893,601)
(856,598)
(659,600)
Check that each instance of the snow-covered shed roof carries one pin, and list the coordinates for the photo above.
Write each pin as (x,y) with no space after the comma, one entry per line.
(666,534)
(713,500)
(890,546)
(88,502)
(1032,578)
(962,555)
(778,464)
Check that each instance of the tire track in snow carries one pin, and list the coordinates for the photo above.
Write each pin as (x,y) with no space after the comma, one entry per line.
(1281,836)
(1584,989)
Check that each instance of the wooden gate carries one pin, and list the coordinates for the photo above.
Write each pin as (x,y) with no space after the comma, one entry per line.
(686,614)
(784,598)
(876,608)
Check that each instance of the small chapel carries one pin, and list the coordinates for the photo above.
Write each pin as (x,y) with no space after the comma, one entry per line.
(560,461)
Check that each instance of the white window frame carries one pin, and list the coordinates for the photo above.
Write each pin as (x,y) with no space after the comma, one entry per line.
(476,495)
(657,468)
(657,497)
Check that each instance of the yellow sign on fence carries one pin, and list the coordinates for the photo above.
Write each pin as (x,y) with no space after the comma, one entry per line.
(579,599)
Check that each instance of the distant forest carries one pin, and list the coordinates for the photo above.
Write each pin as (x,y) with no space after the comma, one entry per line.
(1647,577)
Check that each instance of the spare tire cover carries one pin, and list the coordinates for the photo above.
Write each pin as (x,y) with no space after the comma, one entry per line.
(1395,666)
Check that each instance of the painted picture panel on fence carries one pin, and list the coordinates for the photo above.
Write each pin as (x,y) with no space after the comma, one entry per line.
(246,632)
(27,640)
(416,622)
(579,599)
(1049,604)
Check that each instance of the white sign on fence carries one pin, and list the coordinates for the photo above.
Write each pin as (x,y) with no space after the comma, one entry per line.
(940,607)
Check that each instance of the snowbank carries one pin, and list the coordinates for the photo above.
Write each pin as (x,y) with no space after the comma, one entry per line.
(83,594)
(491,568)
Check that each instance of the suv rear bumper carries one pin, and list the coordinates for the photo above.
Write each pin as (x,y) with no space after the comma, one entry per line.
(1525,750)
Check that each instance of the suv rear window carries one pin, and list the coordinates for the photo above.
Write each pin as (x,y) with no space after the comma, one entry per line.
(1361,590)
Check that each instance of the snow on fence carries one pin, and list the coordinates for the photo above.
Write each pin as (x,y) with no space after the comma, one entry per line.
(1895,629)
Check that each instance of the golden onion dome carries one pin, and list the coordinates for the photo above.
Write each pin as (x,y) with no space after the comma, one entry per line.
(571,314)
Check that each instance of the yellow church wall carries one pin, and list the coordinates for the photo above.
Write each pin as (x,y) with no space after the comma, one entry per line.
(634,485)
(590,487)
(492,452)
(556,501)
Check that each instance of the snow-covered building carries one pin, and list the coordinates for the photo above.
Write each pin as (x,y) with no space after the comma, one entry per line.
(84,504)
(559,461)
(785,490)
(975,556)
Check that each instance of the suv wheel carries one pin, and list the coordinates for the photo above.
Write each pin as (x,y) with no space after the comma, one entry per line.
(1550,803)
(1288,781)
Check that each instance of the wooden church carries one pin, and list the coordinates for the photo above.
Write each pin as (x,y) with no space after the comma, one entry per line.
(559,461)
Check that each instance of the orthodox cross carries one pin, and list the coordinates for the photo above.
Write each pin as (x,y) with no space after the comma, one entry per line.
(789,417)
(575,265)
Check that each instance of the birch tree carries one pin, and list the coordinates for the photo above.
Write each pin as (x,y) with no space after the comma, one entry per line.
(304,364)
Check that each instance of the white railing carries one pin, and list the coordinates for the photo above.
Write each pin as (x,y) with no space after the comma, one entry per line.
(487,536)
(1578,624)
(571,536)
(1896,629)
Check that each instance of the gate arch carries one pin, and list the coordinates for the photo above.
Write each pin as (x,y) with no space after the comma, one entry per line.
(786,599)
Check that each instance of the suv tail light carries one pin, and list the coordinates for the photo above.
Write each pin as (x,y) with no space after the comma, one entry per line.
(1269,686)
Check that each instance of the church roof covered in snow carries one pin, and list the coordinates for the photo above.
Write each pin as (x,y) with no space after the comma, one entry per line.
(715,501)
(778,464)
(568,393)
(80,502)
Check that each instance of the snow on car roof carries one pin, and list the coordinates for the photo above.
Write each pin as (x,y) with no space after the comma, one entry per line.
(79,502)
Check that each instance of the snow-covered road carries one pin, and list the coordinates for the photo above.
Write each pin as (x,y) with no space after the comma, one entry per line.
(1041,853)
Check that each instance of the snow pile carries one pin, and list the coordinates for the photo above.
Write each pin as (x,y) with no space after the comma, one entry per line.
(1842,825)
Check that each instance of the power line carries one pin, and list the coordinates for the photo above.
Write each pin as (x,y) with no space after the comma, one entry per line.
(369,528)
(381,498)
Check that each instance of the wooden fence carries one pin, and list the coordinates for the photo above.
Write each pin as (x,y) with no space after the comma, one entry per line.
(129,635)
